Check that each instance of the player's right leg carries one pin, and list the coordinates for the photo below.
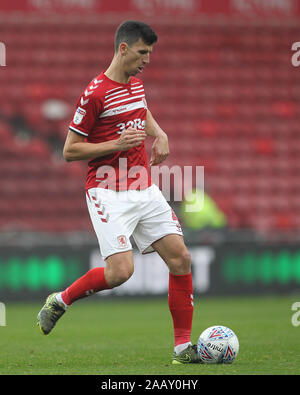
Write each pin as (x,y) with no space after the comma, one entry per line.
(160,230)
(119,268)
(173,251)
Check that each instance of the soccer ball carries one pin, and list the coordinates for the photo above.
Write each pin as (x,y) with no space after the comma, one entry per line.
(218,344)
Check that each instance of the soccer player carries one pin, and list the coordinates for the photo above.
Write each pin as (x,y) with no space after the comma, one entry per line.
(109,127)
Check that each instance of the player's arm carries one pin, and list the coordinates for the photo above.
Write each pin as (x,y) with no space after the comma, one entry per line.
(160,147)
(76,148)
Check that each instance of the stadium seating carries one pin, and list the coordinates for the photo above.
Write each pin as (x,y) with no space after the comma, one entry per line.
(225,93)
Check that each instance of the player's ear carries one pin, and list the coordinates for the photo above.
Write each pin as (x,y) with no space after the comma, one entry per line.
(123,48)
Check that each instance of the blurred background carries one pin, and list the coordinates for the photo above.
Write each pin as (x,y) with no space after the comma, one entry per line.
(221,83)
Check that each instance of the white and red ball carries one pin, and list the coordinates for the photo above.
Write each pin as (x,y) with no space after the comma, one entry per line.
(218,344)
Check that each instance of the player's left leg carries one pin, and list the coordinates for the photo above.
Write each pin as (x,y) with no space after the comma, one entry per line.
(119,268)
(173,251)
(57,303)
(113,231)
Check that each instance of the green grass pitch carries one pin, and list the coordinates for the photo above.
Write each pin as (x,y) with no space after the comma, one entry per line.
(135,337)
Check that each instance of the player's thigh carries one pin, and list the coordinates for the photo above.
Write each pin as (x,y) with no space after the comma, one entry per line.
(174,252)
(157,221)
(113,221)
(119,268)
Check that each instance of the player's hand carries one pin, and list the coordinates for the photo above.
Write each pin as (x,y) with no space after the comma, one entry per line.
(130,138)
(160,150)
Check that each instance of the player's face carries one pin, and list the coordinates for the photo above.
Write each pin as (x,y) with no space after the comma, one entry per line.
(137,57)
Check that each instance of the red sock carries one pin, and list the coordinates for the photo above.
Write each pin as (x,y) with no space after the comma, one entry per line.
(92,281)
(181,306)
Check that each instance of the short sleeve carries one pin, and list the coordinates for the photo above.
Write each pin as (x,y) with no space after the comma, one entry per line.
(85,116)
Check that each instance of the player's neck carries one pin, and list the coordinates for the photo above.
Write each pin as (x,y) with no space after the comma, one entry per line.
(116,73)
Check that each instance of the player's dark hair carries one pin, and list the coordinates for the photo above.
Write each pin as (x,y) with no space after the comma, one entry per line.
(131,31)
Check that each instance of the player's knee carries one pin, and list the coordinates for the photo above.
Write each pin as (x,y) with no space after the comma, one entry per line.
(124,275)
(181,264)
(121,275)
(185,264)
(119,268)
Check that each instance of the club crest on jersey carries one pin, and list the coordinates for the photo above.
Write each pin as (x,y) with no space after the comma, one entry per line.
(78,116)
(122,241)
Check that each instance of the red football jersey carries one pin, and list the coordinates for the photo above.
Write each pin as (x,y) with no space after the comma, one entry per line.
(104,110)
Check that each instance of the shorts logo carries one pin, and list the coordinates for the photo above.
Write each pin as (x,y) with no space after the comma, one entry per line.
(79,114)
(122,241)
(174,216)
(175,219)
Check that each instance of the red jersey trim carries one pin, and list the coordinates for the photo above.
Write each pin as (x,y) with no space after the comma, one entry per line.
(78,131)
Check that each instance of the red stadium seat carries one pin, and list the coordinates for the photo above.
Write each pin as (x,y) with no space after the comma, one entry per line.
(215,91)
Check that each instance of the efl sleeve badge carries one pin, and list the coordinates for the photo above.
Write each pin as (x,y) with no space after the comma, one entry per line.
(78,116)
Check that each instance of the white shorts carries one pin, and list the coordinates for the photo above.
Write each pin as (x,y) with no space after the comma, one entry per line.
(116,216)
